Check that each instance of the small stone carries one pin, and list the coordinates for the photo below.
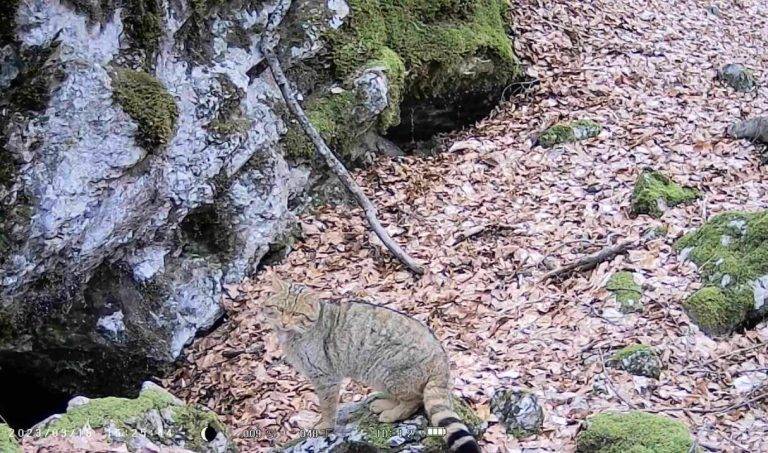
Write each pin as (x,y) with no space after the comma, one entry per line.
(569,132)
(519,410)
(626,291)
(654,192)
(738,77)
(639,360)
(77,401)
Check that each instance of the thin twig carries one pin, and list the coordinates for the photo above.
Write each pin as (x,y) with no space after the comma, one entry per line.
(591,261)
(268,44)
(720,357)
(610,381)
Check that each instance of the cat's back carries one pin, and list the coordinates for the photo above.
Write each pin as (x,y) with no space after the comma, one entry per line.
(365,335)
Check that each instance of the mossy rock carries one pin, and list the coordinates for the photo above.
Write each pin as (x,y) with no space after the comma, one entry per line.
(654,191)
(738,77)
(731,251)
(147,101)
(8,441)
(519,410)
(637,359)
(636,432)
(425,49)
(626,291)
(569,132)
(180,424)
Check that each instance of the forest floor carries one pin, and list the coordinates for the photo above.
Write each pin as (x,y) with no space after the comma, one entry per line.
(645,71)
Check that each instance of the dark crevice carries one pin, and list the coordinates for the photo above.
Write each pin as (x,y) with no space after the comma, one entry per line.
(26,401)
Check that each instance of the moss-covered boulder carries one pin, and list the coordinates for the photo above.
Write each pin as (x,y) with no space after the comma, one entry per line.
(636,432)
(569,132)
(147,101)
(637,359)
(654,192)
(731,251)
(440,59)
(8,441)
(626,291)
(359,430)
(155,417)
(519,410)
(738,77)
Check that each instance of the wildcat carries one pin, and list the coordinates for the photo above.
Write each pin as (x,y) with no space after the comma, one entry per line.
(329,341)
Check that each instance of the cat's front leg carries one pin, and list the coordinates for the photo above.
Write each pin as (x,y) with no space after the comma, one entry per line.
(328,396)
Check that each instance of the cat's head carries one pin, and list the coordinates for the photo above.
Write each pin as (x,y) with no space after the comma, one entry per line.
(291,308)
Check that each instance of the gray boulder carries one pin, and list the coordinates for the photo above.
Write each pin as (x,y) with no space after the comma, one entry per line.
(519,410)
(738,77)
(638,359)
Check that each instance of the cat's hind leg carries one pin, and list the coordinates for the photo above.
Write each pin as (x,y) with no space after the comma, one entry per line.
(382,404)
(401,411)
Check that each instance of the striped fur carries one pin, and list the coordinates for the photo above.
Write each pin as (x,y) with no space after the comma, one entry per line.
(437,403)
(329,341)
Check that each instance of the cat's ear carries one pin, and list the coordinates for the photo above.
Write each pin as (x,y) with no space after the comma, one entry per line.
(279,285)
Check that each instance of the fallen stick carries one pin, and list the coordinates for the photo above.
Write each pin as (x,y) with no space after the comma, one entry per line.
(268,44)
(591,261)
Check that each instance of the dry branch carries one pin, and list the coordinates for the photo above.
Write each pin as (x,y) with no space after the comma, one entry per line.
(591,261)
(268,45)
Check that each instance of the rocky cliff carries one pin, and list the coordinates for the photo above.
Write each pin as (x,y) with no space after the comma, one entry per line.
(147,161)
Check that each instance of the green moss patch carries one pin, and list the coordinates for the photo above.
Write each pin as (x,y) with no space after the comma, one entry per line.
(426,48)
(731,251)
(636,432)
(130,415)
(144,20)
(626,291)
(434,39)
(569,132)
(654,190)
(99,413)
(147,101)
(8,442)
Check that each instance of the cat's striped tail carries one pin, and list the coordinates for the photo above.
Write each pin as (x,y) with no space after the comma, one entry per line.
(437,403)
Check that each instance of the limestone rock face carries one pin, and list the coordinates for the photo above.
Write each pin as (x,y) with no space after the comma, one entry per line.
(147,162)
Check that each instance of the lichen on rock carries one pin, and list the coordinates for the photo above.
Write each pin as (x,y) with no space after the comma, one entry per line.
(148,102)
(626,291)
(738,77)
(569,132)
(636,431)
(638,359)
(519,410)
(8,441)
(655,191)
(731,251)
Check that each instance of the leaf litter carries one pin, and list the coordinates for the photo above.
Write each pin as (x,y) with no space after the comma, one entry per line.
(493,214)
